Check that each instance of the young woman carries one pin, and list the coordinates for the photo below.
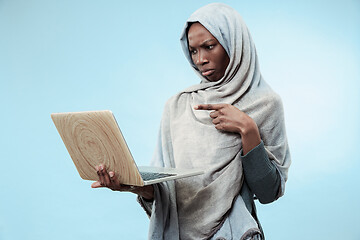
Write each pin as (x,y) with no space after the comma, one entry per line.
(231,124)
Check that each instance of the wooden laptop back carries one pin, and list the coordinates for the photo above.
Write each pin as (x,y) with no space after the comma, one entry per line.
(94,138)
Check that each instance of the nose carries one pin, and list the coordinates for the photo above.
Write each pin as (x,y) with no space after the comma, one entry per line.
(201,58)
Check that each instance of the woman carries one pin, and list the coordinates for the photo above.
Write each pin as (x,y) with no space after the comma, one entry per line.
(231,125)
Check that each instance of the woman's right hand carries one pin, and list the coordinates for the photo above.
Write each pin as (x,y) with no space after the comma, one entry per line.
(107,179)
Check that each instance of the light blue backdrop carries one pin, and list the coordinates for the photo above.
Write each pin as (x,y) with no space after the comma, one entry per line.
(76,55)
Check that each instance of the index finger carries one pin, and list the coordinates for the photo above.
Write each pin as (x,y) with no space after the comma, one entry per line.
(209,106)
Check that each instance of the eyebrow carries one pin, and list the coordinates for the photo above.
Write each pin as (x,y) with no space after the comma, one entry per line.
(204,42)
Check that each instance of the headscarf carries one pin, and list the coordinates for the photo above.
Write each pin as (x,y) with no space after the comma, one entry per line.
(196,207)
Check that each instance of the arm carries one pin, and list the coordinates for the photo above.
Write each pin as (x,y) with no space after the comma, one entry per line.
(260,174)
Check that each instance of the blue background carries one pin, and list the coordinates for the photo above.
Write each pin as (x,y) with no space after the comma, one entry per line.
(78,55)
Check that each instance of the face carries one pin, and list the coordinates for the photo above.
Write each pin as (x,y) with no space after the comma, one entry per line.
(207,53)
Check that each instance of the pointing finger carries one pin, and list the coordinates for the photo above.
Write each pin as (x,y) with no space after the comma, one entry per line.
(209,106)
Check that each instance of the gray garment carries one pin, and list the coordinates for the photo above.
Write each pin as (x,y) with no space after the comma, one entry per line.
(196,207)
(261,178)
(234,223)
(165,222)
(259,170)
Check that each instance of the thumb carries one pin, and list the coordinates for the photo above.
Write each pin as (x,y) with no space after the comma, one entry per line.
(96,185)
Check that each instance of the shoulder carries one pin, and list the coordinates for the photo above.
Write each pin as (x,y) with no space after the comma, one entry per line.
(262,102)
(170,103)
(269,102)
(272,101)
(264,106)
(177,103)
(171,106)
(271,109)
(267,95)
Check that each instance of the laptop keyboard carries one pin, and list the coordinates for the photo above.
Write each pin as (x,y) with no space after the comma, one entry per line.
(146,176)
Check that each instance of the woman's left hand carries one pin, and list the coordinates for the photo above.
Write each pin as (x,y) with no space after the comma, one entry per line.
(228,118)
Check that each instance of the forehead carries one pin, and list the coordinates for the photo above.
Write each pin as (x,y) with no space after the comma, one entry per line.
(198,34)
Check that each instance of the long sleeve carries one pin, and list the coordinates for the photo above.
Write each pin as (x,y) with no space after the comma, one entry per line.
(261,174)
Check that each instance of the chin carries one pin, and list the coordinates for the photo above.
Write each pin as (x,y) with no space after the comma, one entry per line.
(213,79)
(216,76)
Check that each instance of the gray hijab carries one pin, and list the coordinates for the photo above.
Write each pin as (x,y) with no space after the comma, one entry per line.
(196,207)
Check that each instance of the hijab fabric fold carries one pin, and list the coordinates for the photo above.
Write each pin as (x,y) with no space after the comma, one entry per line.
(196,207)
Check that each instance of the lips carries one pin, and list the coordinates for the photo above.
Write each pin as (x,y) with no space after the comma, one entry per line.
(207,72)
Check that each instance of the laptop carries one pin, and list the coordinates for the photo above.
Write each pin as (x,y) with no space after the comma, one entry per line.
(94,137)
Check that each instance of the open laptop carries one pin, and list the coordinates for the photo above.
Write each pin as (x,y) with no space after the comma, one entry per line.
(94,137)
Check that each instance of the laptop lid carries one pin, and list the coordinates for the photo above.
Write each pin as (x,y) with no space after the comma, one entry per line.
(94,137)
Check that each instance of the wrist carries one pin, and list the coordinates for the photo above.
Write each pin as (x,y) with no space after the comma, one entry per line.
(146,192)
(248,128)
(250,137)
(147,197)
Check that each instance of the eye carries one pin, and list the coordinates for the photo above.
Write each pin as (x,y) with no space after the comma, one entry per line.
(193,51)
(209,47)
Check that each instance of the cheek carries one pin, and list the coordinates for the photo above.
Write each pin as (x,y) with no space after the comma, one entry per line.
(222,59)
(225,61)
